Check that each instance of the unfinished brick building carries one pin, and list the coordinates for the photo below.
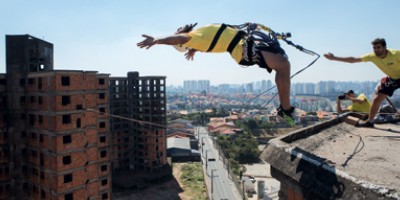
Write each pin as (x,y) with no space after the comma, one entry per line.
(52,143)
(138,145)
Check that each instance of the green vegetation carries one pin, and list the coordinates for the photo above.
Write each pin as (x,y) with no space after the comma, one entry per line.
(251,125)
(193,180)
(202,118)
(242,149)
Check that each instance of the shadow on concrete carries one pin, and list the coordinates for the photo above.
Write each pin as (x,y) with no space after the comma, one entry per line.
(316,175)
(387,129)
(141,185)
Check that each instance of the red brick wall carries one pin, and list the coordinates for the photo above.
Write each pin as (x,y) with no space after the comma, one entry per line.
(93,189)
(77,194)
(76,82)
(75,99)
(294,195)
(92,171)
(78,159)
(77,141)
(289,190)
(58,124)
(91,136)
(106,172)
(92,154)
(78,178)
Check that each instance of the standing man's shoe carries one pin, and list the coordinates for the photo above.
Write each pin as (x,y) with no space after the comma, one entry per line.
(366,124)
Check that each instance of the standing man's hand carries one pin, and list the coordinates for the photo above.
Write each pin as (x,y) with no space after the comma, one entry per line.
(148,42)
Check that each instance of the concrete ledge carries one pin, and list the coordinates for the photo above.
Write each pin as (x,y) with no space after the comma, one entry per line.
(303,159)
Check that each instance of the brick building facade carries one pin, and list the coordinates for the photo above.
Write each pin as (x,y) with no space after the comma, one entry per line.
(52,144)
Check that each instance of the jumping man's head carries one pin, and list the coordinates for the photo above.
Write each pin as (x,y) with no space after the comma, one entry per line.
(185,29)
(379,46)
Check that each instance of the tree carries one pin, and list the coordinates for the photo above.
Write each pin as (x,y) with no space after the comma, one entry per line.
(242,149)
(252,124)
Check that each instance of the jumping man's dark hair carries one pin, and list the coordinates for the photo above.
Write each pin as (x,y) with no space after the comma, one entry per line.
(187,28)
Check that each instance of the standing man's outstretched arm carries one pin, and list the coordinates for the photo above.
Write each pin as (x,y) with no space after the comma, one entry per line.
(330,56)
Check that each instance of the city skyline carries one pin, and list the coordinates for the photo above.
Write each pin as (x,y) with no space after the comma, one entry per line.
(257,81)
(103,36)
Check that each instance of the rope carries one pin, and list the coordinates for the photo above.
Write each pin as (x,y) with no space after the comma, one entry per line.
(356,149)
(295,74)
(391,104)
(251,27)
(128,119)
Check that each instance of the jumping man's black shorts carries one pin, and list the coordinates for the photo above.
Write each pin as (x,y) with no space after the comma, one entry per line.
(252,53)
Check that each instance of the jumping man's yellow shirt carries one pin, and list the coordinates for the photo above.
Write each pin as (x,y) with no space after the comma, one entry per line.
(390,65)
(360,107)
(202,37)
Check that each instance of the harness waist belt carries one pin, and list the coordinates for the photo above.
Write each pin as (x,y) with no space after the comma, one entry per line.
(216,37)
(235,41)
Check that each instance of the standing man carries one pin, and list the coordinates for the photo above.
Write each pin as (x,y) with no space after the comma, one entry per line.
(245,51)
(387,60)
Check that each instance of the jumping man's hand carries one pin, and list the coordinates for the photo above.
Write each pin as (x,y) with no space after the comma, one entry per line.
(190,54)
(148,42)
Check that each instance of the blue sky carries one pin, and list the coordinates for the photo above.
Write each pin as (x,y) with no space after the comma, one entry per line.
(102,35)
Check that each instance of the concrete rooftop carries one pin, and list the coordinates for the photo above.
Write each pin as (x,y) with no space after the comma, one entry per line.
(340,160)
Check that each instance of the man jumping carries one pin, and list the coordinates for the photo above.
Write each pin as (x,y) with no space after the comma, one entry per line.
(225,38)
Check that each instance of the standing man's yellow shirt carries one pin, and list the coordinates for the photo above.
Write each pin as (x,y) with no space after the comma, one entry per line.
(202,37)
(390,65)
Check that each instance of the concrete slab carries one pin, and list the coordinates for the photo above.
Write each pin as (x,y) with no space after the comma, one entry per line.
(340,159)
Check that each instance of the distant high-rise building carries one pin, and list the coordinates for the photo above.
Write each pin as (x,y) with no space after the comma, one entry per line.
(309,88)
(189,86)
(264,86)
(196,86)
(269,84)
(203,86)
(303,88)
(249,87)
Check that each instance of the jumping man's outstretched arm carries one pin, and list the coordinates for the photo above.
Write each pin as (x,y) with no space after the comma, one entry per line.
(330,56)
(169,40)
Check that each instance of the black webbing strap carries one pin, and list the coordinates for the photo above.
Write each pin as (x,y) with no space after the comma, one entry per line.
(216,37)
(250,45)
(235,41)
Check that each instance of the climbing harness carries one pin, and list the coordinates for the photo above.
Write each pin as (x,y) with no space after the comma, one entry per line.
(254,33)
